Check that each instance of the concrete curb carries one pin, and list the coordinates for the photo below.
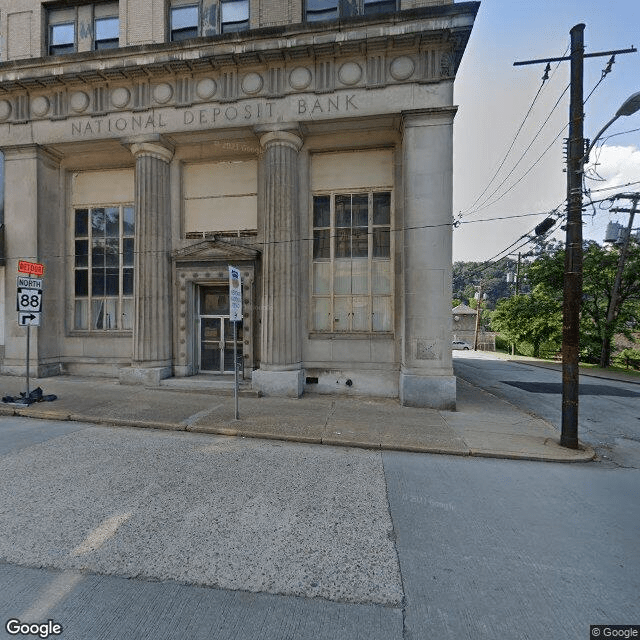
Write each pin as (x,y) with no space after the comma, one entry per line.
(586,453)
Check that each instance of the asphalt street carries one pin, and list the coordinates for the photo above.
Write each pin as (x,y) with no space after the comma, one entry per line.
(608,413)
(126,533)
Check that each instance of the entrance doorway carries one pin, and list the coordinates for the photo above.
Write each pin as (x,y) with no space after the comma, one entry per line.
(216,331)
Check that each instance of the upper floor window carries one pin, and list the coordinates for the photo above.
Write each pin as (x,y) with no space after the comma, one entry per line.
(82,27)
(107,33)
(235,15)
(317,10)
(62,38)
(188,21)
(378,6)
(184,22)
(321,10)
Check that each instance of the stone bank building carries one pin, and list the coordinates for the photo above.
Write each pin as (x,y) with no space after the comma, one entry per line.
(149,144)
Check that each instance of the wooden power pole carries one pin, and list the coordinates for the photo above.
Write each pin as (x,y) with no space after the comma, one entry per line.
(572,293)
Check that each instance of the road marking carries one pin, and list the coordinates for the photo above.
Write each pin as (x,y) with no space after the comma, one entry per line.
(201,414)
(96,538)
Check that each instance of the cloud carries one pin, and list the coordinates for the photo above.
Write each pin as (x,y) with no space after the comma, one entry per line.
(616,164)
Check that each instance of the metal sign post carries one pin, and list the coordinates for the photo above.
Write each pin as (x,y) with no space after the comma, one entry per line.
(28,348)
(29,307)
(235,316)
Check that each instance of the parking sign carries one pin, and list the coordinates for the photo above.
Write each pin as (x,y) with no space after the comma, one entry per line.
(235,295)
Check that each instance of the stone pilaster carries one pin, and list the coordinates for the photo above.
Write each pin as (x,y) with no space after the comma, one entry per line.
(426,376)
(152,332)
(280,370)
(34,220)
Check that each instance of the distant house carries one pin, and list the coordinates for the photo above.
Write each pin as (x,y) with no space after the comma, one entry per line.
(463,327)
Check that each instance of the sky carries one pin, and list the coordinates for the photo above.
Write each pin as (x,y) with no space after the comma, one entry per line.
(493,99)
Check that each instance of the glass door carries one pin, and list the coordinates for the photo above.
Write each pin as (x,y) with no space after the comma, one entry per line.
(216,331)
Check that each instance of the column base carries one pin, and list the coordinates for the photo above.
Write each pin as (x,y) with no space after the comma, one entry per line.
(147,376)
(287,384)
(432,392)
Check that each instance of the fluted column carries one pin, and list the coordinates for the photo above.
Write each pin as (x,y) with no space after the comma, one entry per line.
(152,337)
(281,350)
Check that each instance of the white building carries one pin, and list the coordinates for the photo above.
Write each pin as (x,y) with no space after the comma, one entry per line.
(151,143)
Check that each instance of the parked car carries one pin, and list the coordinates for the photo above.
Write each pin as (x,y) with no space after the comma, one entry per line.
(460,344)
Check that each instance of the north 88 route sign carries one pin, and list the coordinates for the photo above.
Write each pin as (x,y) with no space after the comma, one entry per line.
(29,300)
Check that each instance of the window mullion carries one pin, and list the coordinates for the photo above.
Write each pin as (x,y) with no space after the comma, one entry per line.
(332,257)
(351,293)
(369,256)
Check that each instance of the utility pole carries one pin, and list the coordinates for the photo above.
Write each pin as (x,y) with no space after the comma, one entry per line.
(605,354)
(478,314)
(572,294)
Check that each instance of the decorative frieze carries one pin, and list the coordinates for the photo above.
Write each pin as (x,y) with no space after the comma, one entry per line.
(229,85)
(377,68)
(325,76)
(183,91)
(141,95)
(100,100)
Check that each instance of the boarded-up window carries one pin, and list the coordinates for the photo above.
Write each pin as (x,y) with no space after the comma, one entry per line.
(352,170)
(101,187)
(220,196)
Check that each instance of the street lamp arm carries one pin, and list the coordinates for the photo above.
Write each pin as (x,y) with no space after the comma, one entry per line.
(593,142)
(628,107)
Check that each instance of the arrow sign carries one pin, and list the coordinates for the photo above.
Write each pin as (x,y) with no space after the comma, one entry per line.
(28,319)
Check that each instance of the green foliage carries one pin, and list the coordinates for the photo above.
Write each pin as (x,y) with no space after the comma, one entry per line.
(535,319)
(468,275)
(628,358)
(502,344)
(546,274)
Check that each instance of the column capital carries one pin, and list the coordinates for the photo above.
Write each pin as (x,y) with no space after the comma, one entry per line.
(287,137)
(428,117)
(155,146)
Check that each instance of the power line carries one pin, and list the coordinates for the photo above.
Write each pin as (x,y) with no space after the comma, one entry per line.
(486,204)
(545,77)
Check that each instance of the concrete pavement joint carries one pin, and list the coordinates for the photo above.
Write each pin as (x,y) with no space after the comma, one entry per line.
(394,541)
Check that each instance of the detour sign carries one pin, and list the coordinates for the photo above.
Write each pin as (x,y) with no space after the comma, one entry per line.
(35,268)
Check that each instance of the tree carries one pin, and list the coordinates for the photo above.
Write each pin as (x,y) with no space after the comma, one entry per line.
(599,269)
(534,318)
(468,275)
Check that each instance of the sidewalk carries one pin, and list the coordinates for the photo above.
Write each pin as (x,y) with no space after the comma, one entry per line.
(483,425)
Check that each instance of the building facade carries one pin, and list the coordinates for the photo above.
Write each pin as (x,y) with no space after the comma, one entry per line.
(149,144)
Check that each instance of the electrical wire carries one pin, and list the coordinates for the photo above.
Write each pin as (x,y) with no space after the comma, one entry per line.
(545,77)
(511,145)
(486,204)
(524,240)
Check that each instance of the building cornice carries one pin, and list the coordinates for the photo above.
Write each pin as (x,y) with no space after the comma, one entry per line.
(433,27)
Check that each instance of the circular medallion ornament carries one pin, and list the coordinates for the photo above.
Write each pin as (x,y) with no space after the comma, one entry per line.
(206,88)
(5,109)
(300,78)
(40,106)
(402,68)
(79,101)
(162,93)
(252,83)
(350,73)
(120,97)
